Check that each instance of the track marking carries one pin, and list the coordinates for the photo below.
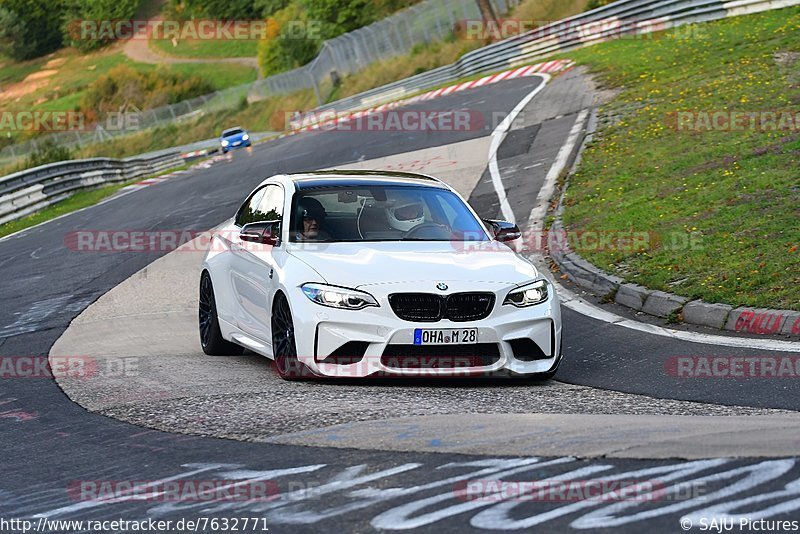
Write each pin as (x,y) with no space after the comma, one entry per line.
(536,218)
(498,136)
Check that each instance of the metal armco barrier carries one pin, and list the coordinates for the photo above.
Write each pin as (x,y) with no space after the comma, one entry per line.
(28,191)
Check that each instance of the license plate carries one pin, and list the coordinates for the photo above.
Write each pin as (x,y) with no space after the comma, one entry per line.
(237,143)
(448,336)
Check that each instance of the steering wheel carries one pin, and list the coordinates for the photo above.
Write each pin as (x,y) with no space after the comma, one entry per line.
(425,226)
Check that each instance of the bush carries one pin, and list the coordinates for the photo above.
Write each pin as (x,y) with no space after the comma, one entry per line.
(123,88)
(338,16)
(47,152)
(267,8)
(30,28)
(215,9)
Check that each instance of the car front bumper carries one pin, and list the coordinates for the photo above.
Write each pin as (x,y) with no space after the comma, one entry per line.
(333,342)
(235,145)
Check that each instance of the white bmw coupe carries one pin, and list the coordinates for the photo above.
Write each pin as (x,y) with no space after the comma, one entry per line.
(359,273)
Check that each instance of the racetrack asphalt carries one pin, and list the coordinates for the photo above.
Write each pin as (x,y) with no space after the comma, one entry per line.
(50,442)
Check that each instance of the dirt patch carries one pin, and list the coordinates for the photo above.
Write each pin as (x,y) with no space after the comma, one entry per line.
(786,59)
(775,148)
(32,83)
(44,73)
(710,166)
(55,63)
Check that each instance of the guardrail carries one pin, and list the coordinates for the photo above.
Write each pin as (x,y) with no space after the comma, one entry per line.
(28,191)
(625,17)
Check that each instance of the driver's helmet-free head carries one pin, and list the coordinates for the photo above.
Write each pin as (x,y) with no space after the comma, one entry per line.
(311,208)
(404,210)
(308,208)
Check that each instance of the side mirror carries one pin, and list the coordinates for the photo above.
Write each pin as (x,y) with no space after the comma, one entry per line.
(264,232)
(503,230)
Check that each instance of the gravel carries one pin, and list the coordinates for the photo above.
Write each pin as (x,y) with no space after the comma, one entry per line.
(291,407)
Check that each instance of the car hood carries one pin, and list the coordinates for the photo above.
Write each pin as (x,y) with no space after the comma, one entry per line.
(232,138)
(367,264)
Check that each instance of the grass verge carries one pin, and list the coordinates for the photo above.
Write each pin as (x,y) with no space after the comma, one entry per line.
(79,200)
(206,49)
(73,72)
(736,193)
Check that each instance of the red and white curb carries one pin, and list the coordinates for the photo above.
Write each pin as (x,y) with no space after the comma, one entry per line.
(195,154)
(549,67)
(151,181)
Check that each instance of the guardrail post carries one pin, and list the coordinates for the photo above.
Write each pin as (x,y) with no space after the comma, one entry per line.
(316,88)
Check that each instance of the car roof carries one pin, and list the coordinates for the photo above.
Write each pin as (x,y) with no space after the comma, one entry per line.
(232,129)
(362,178)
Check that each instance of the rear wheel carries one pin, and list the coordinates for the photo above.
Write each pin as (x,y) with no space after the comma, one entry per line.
(211,339)
(284,348)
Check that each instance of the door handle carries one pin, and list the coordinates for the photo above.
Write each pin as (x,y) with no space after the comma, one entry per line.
(271,272)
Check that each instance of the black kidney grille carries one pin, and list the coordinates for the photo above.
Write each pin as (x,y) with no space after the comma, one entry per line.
(430,308)
(419,307)
(469,306)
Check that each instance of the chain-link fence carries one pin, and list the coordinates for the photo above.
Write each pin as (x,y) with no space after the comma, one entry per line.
(428,21)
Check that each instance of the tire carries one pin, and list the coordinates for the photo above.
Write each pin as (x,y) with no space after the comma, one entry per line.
(548,375)
(211,339)
(284,348)
(552,372)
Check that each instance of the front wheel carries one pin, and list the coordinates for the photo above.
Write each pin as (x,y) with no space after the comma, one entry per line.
(211,339)
(284,348)
(552,372)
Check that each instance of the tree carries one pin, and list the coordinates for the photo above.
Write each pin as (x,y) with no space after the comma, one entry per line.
(286,48)
(93,11)
(217,9)
(30,28)
(338,16)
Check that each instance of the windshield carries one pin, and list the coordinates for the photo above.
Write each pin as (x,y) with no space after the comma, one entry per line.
(229,133)
(382,213)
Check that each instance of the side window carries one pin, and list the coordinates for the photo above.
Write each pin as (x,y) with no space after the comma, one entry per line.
(265,205)
(247,213)
(271,206)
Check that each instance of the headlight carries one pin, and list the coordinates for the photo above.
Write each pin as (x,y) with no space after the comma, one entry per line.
(338,297)
(245,137)
(224,142)
(528,295)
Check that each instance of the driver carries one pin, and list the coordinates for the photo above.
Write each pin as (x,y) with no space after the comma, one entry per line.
(311,218)
(404,210)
